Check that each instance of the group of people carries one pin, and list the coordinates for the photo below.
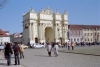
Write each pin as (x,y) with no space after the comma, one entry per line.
(16,49)
(52,46)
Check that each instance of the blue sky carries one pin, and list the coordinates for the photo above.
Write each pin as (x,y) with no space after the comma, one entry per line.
(79,12)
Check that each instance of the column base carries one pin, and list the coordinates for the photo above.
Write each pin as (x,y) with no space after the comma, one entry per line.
(65,40)
(32,41)
(41,41)
(57,40)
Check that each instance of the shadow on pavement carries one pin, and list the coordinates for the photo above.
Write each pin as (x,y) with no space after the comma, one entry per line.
(80,53)
(41,56)
(4,64)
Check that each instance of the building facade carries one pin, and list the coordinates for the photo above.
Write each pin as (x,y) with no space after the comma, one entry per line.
(84,33)
(16,37)
(45,26)
(4,37)
(75,33)
(91,33)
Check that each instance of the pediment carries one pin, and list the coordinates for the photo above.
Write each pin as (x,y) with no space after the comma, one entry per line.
(48,11)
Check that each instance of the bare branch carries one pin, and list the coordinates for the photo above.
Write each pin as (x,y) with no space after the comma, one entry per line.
(3,3)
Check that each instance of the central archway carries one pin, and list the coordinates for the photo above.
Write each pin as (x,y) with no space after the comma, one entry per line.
(49,34)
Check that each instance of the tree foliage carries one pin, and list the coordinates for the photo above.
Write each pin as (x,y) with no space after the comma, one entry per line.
(3,3)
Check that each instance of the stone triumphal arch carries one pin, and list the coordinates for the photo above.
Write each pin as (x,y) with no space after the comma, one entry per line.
(45,26)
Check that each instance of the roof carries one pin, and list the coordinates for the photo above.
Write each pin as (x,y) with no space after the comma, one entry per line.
(84,27)
(75,27)
(2,33)
(6,31)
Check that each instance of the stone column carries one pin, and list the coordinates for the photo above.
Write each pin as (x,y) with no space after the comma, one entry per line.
(63,35)
(40,30)
(30,36)
(32,31)
(56,33)
(43,32)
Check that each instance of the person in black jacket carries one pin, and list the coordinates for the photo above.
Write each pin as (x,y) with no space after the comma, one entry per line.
(16,54)
(8,52)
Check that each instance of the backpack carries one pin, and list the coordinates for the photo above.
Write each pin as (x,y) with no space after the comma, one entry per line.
(21,49)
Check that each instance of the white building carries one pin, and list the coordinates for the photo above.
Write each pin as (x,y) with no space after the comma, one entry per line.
(84,33)
(75,33)
(4,38)
(91,33)
(16,37)
(45,26)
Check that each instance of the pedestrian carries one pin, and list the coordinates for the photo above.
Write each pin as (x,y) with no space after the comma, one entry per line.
(68,45)
(49,49)
(21,51)
(8,52)
(56,47)
(72,45)
(16,54)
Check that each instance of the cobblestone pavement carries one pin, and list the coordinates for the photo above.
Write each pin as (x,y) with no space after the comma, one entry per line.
(39,58)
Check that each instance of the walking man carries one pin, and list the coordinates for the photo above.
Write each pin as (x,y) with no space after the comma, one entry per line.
(8,52)
(16,54)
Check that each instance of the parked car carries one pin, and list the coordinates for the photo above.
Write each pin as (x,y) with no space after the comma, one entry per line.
(25,47)
(37,45)
(2,46)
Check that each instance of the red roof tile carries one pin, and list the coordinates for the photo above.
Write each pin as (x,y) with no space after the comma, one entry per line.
(2,33)
(84,27)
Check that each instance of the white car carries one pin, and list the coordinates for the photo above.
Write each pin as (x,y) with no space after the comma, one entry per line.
(2,46)
(37,45)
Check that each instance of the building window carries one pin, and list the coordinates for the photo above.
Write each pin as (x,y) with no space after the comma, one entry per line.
(74,39)
(79,32)
(85,34)
(71,39)
(77,39)
(95,34)
(88,34)
(88,39)
(85,39)
(91,34)
(91,39)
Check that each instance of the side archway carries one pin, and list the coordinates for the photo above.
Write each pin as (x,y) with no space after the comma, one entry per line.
(36,40)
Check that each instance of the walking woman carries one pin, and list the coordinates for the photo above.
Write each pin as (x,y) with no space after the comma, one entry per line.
(8,52)
(56,47)
(49,48)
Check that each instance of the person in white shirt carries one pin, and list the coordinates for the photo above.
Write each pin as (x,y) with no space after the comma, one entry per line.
(49,49)
(56,48)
